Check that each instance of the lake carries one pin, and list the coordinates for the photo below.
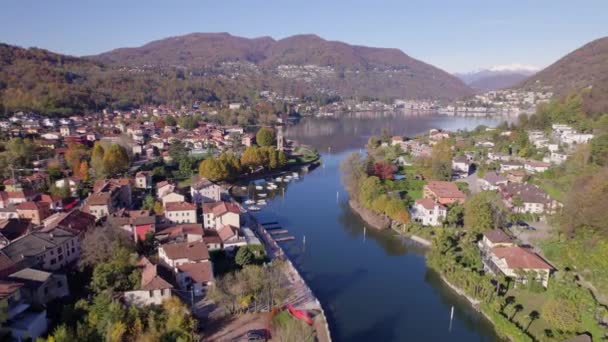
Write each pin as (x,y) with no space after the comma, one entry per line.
(373,285)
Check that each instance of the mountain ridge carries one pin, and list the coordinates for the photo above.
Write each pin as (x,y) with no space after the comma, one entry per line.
(356,70)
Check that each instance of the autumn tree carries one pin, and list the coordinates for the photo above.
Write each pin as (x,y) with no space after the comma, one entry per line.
(384,170)
(115,160)
(265,137)
(83,171)
(74,155)
(213,169)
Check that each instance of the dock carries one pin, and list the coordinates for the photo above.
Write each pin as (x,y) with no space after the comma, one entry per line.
(286,238)
(270,223)
(273,228)
(277,232)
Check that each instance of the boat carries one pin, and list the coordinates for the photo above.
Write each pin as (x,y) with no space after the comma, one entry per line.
(278,179)
(259,187)
(243,188)
(253,208)
(261,202)
(296,175)
(300,314)
(249,201)
(262,195)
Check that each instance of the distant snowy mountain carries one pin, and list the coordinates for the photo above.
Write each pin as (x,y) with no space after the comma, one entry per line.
(497,77)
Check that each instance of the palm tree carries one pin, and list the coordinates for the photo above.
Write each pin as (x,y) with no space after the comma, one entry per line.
(508,301)
(516,309)
(533,316)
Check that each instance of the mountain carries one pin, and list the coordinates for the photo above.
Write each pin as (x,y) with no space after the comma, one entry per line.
(306,63)
(50,83)
(584,70)
(497,77)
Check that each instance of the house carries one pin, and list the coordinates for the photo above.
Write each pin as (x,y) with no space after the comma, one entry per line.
(178,253)
(154,286)
(558,158)
(172,197)
(492,181)
(527,198)
(54,202)
(33,211)
(203,190)
(461,164)
(182,232)
(494,238)
(443,192)
(119,190)
(534,166)
(516,176)
(218,214)
(163,188)
(230,237)
(497,156)
(183,212)
(517,262)
(8,213)
(71,182)
(75,221)
(17,316)
(100,204)
(41,287)
(48,250)
(428,212)
(195,277)
(248,139)
(13,229)
(510,166)
(143,179)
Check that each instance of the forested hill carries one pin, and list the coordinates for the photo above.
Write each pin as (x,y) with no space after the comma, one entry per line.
(46,82)
(307,60)
(583,70)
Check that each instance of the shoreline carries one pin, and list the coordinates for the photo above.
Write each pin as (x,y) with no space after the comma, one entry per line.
(371,218)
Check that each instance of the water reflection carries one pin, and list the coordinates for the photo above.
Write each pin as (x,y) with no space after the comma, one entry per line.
(353,130)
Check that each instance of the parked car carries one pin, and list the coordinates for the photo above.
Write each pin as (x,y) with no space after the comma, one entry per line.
(257,335)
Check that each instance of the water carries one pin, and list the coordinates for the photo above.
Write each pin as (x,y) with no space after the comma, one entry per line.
(374,286)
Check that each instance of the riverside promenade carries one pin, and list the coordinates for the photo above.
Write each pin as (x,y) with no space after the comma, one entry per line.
(301,296)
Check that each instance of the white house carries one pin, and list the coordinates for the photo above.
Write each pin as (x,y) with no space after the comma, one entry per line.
(510,166)
(163,188)
(513,261)
(190,264)
(492,181)
(153,289)
(461,164)
(172,197)
(218,214)
(428,212)
(203,190)
(180,212)
(534,166)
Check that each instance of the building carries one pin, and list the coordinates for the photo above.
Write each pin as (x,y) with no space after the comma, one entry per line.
(41,287)
(17,316)
(181,233)
(218,214)
(154,287)
(143,180)
(181,212)
(492,181)
(528,198)
(178,253)
(494,238)
(203,190)
(190,263)
(48,250)
(163,188)
(428,212)
(534,166)
(510,166)
(517,262)
(443,192)
(461,164)
(172,197)
(100,204)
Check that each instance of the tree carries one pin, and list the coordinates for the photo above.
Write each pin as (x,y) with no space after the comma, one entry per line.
(148,202)
(483,211)
(384,170)
(74,155)
(170,120)
(115,160)
(101,244)
(441,160)
(265,137)
(158,208)
(213,169)
(562,313)
(117,274)
(599,150)
(243,257)
(252,157)
(532,316)
(83,171)
(371,188)
(455,216)
(97,160)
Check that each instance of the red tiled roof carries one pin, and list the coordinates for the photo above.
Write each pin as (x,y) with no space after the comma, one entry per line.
(517,257)
(497,236)
(445,189)
(151,280)
(178,230)
(226,232)
(200,272)
(193,251)
(179,206)
(7,288)
(428,203)
(220,208)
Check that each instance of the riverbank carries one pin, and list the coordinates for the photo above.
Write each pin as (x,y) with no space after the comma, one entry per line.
(376,221)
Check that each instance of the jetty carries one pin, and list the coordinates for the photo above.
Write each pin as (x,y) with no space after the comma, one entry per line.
(277,232)
(286,238)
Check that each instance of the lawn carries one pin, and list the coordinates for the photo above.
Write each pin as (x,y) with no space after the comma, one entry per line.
(555,191)
(530,301)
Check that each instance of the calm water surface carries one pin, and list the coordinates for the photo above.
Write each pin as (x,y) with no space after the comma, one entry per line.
(374,286)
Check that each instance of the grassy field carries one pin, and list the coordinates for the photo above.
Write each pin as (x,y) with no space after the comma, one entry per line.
(530,302)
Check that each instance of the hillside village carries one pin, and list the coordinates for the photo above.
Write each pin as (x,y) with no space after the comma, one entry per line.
(59,194)
(500,185)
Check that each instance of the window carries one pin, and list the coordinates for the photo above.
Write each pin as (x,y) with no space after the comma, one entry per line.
(53,261)
(59,284)
(46,290)
(151,294)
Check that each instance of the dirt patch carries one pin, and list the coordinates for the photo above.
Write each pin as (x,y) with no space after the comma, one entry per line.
(235,328)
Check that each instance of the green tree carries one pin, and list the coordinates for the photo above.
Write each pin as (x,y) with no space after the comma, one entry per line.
(244,256)
(483,211)
(455,216)
(115,160)
(148,202)
(213,169)
(97,160)
(170,121)
(265,137)
(599,150)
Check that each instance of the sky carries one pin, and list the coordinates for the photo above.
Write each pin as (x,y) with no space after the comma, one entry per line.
(455,35)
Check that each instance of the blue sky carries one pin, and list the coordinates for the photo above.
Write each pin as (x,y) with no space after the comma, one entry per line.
(453,35)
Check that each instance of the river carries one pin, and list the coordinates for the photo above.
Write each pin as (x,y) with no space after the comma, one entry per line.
(374,286)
